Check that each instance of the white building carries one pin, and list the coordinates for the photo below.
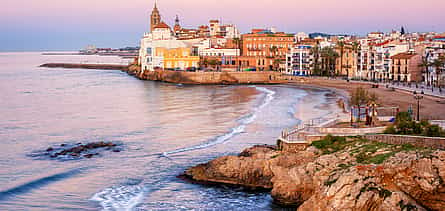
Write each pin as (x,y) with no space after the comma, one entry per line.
(299,61)
(214,28)
(301,36)
(231,31)
(161,36)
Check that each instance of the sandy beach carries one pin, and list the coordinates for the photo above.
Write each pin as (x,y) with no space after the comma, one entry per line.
(432,108)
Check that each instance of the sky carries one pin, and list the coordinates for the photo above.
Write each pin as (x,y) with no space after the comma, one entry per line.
(36,25)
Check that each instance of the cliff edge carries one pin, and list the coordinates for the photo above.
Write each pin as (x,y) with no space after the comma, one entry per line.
(337,174)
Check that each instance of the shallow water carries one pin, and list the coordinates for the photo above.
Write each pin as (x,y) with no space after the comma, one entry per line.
(164,129)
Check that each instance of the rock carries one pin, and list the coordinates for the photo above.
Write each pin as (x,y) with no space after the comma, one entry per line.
(80,149)
(308,180)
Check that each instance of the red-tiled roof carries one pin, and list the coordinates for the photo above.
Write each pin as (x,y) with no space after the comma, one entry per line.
(161,25)
(382,43)
(403,56)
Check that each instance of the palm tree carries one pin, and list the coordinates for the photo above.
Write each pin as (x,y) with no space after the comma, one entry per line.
(315,51)
(425,64)
(341,45)
(237,42)
(329,55)
(438,65)
(276,63)
(274,50)
(355,49)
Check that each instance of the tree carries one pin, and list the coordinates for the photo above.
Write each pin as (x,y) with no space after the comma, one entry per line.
(355,50)
(274,50)
(425,64)
(405,125)
(360,97)
(276,63)
(237,42)
(341,46)
(438,66)
(315,51)
(328,55)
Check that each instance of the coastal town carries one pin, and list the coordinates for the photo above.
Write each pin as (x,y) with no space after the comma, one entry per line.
(367,114)
(396,56)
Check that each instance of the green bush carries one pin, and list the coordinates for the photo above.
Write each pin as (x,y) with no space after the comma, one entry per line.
(390,130)
(433,131)
(405,125)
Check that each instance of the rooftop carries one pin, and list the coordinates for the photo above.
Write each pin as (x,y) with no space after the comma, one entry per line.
(403,56)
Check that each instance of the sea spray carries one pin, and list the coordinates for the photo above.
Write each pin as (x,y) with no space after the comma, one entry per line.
(125,197)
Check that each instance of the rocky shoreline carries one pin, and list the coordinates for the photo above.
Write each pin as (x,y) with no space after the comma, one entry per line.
(336,174)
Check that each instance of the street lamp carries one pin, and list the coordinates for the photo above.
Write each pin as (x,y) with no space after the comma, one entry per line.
(418,97)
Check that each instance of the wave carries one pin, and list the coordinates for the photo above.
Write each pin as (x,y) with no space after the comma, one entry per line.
(243,122)
(29,186)
(125,197)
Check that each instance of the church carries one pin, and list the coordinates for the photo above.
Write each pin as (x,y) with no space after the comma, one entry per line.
(179,48)
(161,50)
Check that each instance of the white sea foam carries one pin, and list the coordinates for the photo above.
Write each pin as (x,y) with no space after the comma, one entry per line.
(243,122)
(122,198)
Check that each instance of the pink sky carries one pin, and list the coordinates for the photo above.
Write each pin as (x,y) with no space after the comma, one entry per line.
(333,16)
(290,15)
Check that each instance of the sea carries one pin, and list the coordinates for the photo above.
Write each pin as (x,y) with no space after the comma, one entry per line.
(163,129)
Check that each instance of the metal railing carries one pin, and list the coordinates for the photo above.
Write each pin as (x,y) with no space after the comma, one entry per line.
(296,133)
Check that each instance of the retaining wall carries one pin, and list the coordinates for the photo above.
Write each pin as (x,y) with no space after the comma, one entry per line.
(354,131)
(292,147)
(214,77)
(419,141)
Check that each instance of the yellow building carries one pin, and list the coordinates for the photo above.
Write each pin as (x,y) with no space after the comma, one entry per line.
(177,58)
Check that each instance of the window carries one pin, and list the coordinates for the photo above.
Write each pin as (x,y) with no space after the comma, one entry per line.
(149,51)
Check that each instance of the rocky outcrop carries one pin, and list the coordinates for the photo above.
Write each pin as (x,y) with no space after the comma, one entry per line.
(350,175)
(79,150)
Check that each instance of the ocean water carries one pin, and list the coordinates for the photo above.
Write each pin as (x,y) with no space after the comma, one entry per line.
(163,129)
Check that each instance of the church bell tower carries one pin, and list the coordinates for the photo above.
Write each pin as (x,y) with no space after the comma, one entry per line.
(155,17)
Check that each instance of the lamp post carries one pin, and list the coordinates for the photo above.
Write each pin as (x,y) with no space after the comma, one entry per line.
(418,97)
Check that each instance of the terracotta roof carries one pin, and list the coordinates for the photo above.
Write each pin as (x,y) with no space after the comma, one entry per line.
(403,56)
(382,43)
(161,25)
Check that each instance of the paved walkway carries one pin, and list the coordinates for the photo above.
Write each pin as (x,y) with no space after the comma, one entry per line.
(426,90)
(436,92)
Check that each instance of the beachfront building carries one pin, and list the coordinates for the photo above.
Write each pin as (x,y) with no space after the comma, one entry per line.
(160,49)
(405,67)
(265,48)
(176,58)
(299,61)
(346,62)
(433,52)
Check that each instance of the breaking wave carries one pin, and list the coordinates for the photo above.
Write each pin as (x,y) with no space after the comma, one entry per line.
(243,122)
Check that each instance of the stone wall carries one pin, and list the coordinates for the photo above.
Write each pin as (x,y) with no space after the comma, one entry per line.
(419,141)
(292,147)
(214,77)
(352,131)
